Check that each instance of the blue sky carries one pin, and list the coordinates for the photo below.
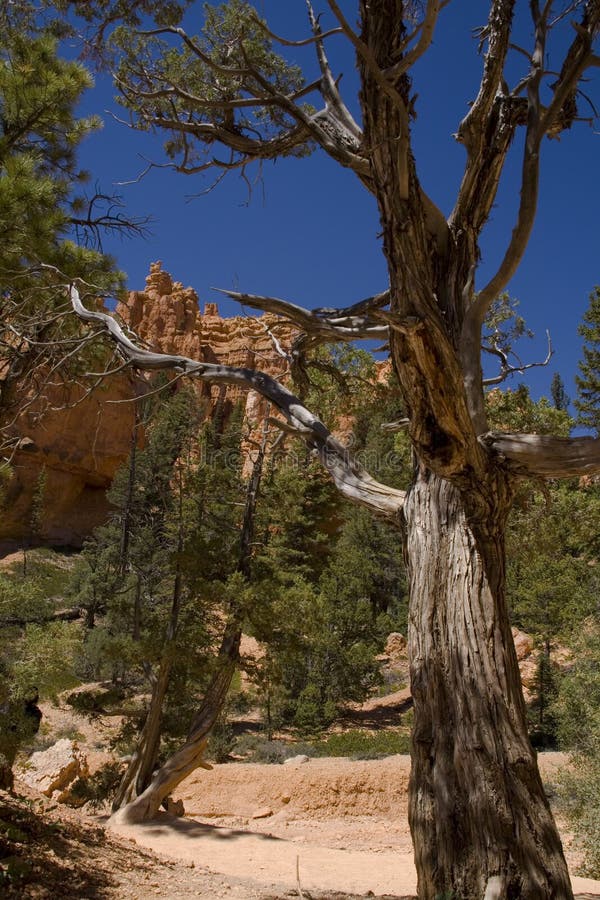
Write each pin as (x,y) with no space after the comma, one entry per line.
(308,232)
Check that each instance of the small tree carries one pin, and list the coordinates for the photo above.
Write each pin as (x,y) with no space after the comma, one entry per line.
(587,402)
(578,712)
(560,398)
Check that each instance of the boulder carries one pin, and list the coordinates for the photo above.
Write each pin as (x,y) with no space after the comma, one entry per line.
(523,644)
(395,645)
(175,807)
(52,771)
(296,760)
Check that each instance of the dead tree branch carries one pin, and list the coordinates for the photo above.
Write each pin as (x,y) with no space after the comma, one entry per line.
(545,455)
(349,477)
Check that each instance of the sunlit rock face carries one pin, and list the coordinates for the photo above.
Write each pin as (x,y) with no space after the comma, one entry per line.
(67,457)
(75,450)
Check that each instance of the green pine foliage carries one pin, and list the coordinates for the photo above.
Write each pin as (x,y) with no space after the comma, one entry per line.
(41,195)
(587,402)
(160,576)
(152,63)
(514,410)
(330,577)
(578,714)
(560,398)
(551,546)
(40,179)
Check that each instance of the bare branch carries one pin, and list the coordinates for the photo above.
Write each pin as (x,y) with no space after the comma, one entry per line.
(562,111)
(529,176)
(426,29)
(393,427)
(104,215)
(544,455)
(497,32)
(203,103)
(349,477)
(332,325)
(329,87)
(506,369)
(301,43)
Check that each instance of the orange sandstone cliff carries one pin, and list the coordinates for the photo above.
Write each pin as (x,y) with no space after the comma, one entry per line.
(78,448)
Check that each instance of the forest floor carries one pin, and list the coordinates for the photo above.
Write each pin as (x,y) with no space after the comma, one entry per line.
(322,829)
(319,829)
(327,829)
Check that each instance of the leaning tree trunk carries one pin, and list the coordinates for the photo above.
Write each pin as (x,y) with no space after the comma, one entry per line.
(189,757)
(144,757)
(480,821)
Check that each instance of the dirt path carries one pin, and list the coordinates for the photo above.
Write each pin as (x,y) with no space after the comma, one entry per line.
(338,824)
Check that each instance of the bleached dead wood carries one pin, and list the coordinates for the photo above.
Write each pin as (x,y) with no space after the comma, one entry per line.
(350,478)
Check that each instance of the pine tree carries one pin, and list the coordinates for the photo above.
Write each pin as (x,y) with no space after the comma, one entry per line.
(50,230)
(560,398)
(587,403)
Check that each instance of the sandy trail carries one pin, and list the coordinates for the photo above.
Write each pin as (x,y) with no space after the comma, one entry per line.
(340,824)
(272,862)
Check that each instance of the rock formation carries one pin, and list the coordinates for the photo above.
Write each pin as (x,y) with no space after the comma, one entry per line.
(54,770)
(78,442)
(167,317)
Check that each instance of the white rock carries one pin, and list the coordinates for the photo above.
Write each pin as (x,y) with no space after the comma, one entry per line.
(263,813)
(301,758)
(56,768)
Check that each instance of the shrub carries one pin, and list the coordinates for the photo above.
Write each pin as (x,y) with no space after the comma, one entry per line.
(578,714)
(96,789)
(363,744)
(579,792)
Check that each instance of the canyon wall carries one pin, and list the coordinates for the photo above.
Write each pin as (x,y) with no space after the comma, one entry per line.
(74,443)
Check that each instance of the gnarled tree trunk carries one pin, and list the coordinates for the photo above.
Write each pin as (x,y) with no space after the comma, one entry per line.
(479,818)
(190,756)
(139,771)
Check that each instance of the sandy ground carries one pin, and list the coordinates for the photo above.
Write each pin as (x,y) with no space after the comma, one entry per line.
(329,825)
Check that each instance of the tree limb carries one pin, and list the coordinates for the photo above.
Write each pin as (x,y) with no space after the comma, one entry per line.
(349,477)
(545,455)
(540,122)
(332,325)
(332,128)
(329,87)
(426,28)
(506,369)
(529,176)
(364,51)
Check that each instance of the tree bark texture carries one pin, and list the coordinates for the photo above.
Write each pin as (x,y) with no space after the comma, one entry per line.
(139,772)
(190,756)
(479,817)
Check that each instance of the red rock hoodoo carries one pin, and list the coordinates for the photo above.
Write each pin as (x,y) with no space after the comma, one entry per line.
(80,447)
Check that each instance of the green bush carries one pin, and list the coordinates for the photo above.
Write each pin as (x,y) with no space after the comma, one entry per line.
(221,742)
(97,788)
(269,752)
(95,701)
(579,792)
(363,744)
(577,711)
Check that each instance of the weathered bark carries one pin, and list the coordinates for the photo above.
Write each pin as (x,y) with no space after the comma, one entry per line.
(479,818)
(190,756)
(480,821)
(143,760)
